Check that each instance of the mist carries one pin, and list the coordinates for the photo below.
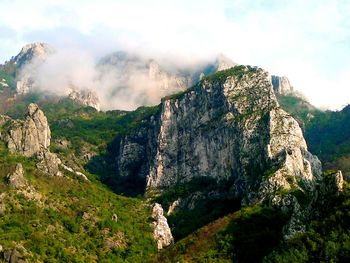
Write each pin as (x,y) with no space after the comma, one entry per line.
(119,84)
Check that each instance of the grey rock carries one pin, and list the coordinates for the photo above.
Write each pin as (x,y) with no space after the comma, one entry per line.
(24,85)
(31,53)
(281,85)
(49,163)
(85,98)
(230,131)
(222,62)
(82,175)
(15,255)
(30,136)
(332,184)
(162,233)
(27,62)
(17,179)
(175,206)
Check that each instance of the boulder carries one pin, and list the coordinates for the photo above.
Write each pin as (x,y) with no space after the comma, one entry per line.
(30,136)
(162,233)
(17,179)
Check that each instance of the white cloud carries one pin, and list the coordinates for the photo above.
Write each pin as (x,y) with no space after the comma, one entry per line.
(305,40)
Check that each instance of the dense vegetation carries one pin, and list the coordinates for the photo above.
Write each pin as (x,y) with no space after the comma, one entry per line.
(72,222)
(88,133)
(328,136)
(237,72)
(245,236)
(8,78)
(326,240)
(199,204)
(299,108)
(67,219)
(327,133)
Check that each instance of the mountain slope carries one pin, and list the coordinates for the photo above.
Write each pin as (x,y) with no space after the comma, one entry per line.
(62,216)
(69,219)
(224,141)
(222,146)
(328,135)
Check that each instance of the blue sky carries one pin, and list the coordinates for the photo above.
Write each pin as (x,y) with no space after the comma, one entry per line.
(308,41)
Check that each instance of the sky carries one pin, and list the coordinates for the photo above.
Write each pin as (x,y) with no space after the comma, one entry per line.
(307,41)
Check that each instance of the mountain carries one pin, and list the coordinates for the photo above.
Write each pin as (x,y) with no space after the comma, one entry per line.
(52,211)
(24,68)
(227,130)
(225,159)
(328,136)
(118,73)
(167,79)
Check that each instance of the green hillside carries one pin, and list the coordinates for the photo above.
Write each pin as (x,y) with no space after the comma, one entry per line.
(66,219)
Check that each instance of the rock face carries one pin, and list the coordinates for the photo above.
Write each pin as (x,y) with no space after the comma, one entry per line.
(333,184)
(15,255)
(161,233)
(30,52)
(27,64)
(168,79)
(281,85)
(223,129)
(31,55)
(30,136)
(17,179)
(49,163)
(85,98)
(24,85)
(222,63)
(229,128)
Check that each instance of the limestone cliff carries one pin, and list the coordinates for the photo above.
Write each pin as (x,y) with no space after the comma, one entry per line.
(161,233)
(26,63)
(281,85)
(17,179)
(85,98)
(230,128)
(30,136)
(31,52)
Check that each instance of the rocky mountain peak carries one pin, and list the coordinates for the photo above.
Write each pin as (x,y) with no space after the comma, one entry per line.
(222,62)
(30,52)
(281,85)
(85,98)
(30,136)
(228,128)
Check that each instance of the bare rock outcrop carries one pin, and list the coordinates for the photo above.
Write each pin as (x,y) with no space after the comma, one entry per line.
(85,98)
(27,62)
(15,255)
(229,128)
(30,136)
(49,163)
(333,184)
(281,85)
(162,233)
(17,179)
